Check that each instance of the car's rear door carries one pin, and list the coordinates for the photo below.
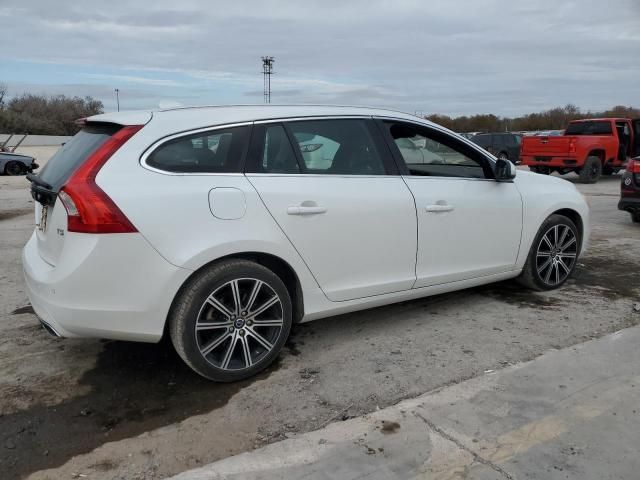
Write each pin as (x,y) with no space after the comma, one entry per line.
(331,186)
(469,225)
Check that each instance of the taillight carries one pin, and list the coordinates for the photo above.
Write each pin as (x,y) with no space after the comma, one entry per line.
(633,166)
(89,208)
(572,146)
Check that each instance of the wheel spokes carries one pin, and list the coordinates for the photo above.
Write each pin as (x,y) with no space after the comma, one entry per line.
(266,305)
(219,306)
(212,325)
(553,263)
(260,339)
(229,333)
(214,344)
(253,296)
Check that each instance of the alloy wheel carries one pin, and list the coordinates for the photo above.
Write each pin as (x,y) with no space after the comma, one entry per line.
(556,254)
(239,324)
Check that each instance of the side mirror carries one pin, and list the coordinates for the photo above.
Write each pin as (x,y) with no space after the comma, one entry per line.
(505,170)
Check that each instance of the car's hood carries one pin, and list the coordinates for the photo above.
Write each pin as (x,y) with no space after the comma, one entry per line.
(10,154)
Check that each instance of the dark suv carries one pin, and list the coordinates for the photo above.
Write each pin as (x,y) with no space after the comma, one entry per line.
(502,145)
(630,190)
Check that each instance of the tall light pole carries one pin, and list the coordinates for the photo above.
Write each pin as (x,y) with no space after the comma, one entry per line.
(267,71)
(118,99)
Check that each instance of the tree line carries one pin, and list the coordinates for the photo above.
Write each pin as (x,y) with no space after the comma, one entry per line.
(553,119)
(55,115)
(44,115)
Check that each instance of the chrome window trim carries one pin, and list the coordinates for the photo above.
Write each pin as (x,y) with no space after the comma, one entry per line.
(316,175)
(312,118)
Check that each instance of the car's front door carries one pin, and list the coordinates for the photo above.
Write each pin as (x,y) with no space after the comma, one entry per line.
(330,185)
(469,225)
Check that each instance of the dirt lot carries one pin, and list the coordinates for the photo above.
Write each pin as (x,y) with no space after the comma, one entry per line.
(124,410)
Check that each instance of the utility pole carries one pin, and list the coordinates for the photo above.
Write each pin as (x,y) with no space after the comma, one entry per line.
(118,99)
(267,71)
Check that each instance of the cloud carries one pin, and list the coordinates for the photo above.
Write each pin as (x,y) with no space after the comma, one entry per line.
(505,57)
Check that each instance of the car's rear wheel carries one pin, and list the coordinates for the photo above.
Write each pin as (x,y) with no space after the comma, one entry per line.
(553,255)
(231,320)
(591,171)
(635,217)
(503,156)
(14,168)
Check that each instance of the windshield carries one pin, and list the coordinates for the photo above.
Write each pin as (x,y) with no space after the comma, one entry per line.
(589,128)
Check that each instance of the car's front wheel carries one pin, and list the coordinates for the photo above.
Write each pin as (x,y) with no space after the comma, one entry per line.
(553,255)
(14,168)
(231,320)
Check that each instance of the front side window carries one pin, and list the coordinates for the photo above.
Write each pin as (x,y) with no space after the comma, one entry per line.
(427,152)
(215,151)
(337,147)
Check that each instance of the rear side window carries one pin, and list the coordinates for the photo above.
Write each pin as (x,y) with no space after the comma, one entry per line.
(72,154)
(589,128)
(214,151)
(337,147)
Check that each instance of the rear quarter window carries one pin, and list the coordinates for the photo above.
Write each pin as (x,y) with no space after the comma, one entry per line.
(213,151)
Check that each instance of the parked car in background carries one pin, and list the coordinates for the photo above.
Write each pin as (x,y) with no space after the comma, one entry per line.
(630,190)
(16,164)
(591,148)
(502,145)
(223,226)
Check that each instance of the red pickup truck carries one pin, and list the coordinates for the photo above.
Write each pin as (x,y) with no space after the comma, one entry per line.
(593,147)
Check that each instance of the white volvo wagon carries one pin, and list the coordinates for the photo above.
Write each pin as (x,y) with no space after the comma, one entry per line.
(223,226)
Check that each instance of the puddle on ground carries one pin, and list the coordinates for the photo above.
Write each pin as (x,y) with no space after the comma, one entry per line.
(513,293)
(135,387)
(614,277)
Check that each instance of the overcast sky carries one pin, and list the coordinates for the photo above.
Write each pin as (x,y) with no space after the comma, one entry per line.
(454,57)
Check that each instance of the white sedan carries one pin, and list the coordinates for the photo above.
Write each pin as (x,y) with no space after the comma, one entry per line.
(219,226)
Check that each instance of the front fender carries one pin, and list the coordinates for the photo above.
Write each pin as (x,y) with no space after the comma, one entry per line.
(542,196)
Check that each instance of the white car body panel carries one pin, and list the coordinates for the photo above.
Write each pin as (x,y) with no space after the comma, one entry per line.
(479,236)
(122,285)
(365,216)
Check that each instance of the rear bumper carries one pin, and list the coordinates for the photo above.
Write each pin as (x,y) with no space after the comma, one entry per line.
(113,286)
(544,161)
(630,204)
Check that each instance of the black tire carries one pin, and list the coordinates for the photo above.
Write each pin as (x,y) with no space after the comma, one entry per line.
(14,169)
(503,156)
(533,276)
(591,171)
(191,304)
(635,217)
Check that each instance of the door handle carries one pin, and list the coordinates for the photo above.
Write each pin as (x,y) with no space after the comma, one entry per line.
(439,208)
(303,210)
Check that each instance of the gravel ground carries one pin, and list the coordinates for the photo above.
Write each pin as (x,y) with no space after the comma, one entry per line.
(125,410)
